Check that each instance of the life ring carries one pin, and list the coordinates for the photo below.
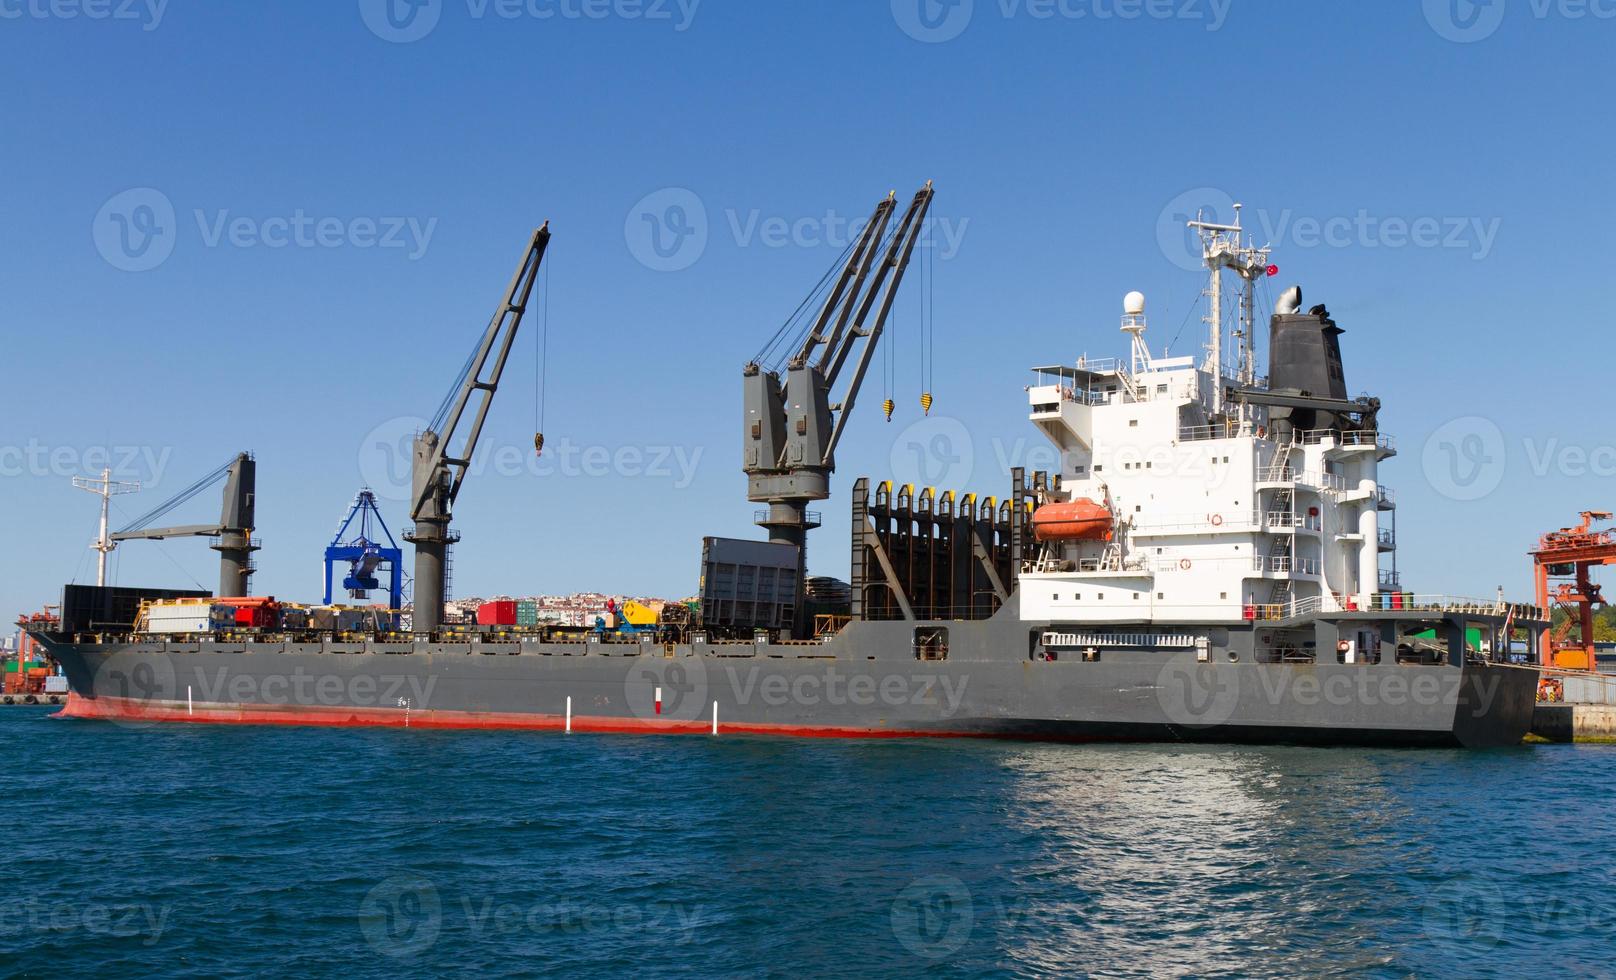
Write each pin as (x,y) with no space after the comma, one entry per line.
(1342,646)
(1217,520)
(1184,563)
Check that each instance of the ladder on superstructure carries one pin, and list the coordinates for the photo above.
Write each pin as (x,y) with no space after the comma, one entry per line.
(1284,545)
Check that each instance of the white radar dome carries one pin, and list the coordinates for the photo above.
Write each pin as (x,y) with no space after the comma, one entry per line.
(1133,303)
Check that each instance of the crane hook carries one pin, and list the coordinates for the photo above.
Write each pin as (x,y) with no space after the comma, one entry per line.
(888,406)
(538,443)
(925,402)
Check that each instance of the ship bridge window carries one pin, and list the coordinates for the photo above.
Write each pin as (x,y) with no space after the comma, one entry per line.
(1133,423)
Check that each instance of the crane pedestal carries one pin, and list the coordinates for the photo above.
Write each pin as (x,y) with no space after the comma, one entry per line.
(432,539)
(235,550)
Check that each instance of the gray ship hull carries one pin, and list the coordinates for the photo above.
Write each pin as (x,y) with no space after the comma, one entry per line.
(993,679)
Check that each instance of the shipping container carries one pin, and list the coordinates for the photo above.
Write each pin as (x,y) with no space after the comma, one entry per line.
(748,584)
(188,616)
(527,613)
(501,612)
(91,608)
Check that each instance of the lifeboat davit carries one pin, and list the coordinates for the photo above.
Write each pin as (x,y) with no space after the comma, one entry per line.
(1080,520)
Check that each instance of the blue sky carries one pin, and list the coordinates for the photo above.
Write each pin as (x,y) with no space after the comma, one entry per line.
(349,192)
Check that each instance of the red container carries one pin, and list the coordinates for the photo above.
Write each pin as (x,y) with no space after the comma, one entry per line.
(502,613)
(258,617)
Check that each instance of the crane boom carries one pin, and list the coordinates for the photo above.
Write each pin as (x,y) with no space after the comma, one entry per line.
(792,427)
(234,530)
(439,469)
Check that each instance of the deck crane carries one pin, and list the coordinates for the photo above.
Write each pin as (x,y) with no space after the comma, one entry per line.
(440,461)
(1570,554)
(234,529)
(369,548)
(792,427)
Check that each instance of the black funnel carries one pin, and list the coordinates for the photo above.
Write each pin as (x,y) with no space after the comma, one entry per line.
(1304,358)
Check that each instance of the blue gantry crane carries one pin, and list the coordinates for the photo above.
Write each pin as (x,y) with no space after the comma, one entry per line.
(370,546)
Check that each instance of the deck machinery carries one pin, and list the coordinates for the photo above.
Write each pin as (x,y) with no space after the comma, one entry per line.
(1570,554)
(940,556)
(233,530)
(792,425)
(443,450)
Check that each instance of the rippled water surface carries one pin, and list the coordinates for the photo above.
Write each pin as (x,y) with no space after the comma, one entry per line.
(204,850)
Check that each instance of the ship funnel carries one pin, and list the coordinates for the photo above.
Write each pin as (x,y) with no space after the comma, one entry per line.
(1290,301)
(1304,358)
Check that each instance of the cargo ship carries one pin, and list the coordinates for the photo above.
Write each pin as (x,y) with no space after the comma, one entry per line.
(1214,560)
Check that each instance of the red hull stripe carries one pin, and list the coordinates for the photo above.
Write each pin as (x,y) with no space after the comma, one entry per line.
(124,709)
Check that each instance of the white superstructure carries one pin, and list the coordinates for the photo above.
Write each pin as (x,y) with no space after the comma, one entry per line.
(1213,517)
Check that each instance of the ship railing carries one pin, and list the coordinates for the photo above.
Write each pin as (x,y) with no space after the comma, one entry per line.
(1244,521)
(1225,430)
(1413,602)
(811,518)
(1386,496)
(1306,478)
(1053,566)
(1286,565)
(1387,537)
(1380,440)
(1354,439)
(1286,520)
(1101,365)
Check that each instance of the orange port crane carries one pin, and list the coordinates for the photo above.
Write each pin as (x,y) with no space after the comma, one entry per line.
(1568,555)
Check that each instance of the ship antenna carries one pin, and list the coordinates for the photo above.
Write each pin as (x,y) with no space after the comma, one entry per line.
(1226,247)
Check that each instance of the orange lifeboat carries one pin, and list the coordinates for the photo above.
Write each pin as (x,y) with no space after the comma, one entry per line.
(1080,520)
